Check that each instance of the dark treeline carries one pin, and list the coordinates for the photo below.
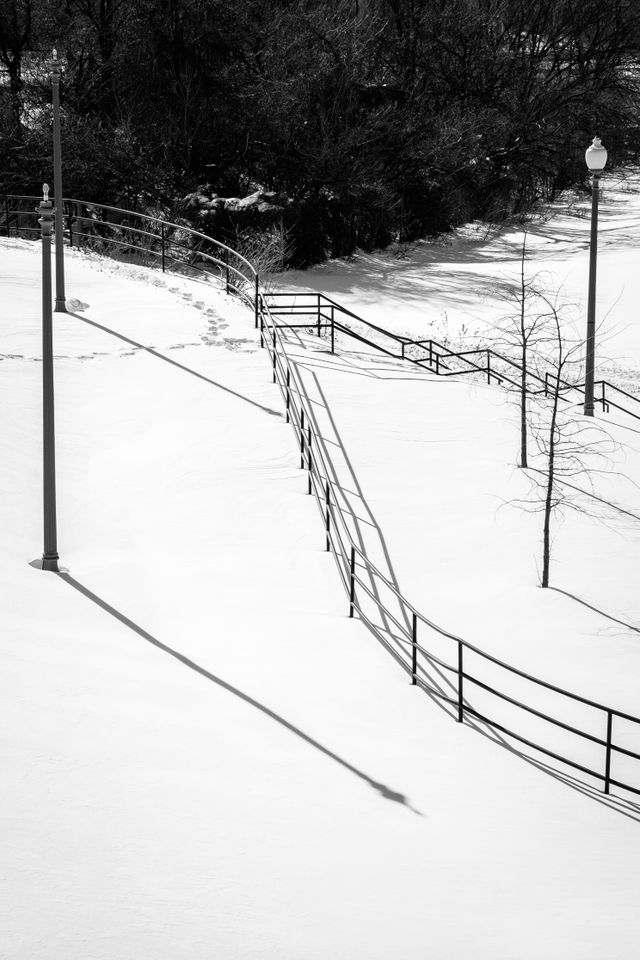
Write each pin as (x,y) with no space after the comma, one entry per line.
(351,123)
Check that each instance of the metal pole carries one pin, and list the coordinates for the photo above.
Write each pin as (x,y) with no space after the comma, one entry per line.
(460,684)
(50,555)
(273,346)
(256,301)
(327,521)
(414,645)
(288,392)
(591,303)
(352,581)
(607,769)
(57,186)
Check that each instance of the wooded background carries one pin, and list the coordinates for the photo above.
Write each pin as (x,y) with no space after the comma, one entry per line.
(338,124)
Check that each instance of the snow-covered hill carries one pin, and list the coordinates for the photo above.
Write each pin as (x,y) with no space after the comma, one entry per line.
(458,287)
(202,755)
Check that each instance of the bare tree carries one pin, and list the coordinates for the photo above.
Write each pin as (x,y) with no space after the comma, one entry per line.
(524,333)
(568,447)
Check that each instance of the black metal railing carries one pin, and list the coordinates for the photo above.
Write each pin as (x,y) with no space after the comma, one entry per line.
(330,318)
(596,739)
(115,231)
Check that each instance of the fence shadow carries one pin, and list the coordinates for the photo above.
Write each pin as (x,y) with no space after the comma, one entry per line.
(427,674)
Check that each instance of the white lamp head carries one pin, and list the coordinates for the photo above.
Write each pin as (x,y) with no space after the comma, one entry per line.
(596,156)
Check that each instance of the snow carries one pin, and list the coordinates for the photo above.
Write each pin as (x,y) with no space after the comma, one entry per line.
(457,287)
(202,754)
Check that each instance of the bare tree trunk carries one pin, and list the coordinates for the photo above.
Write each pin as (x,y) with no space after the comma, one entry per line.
(523,339)
(548,502)
(523,408)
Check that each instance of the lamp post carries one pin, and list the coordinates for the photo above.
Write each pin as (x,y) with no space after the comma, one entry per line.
(50,555)
(61,306)
(596,157)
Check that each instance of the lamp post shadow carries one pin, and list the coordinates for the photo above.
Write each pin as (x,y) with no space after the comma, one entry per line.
(386,792)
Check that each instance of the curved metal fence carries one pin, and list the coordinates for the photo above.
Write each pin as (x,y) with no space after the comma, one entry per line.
(586,735)
(114,231)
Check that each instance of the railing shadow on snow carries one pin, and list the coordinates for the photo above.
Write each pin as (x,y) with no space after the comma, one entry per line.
(474,686)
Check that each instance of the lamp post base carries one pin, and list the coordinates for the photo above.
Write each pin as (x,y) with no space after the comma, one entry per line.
(60,307)
(50,562)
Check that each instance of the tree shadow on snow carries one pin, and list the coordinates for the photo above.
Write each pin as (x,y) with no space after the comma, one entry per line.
(589,606)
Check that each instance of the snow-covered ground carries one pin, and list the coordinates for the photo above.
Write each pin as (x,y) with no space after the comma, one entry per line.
(202,755)
(458,287)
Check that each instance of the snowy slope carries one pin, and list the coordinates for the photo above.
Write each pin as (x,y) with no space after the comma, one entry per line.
(458,286)
(203,756)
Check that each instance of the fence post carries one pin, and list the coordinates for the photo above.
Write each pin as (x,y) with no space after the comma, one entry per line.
(273,346)
(226,270)
(414,651)
(288,392)
(333,332)
(163,247)
(6,212)
(261,321)
(604,402)
(460,684)
(309,465)
(302,438)
(402,345)
(352,582)
(256,297)
(438,364)
(430,352)
(546,383)
(327,520)
(607,767)
(488,366)
(319,314)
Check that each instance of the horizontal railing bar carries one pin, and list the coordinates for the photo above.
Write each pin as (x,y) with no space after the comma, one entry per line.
(624,786)
(530,743)
(144,216)
(536,713)
(612,386)
(625,752)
